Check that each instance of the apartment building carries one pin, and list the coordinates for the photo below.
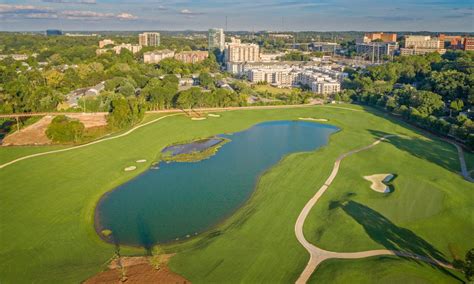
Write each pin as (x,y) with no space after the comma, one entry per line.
(134,48)
(154,57)
(191,56)
(149,39)
(376,51)
(383,37)
(469,43)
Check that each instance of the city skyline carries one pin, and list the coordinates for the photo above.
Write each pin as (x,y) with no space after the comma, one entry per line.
(297,15)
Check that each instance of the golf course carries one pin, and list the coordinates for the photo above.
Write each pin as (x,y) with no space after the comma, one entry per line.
(48,203)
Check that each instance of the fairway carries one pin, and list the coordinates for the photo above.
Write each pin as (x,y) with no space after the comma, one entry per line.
(47,231)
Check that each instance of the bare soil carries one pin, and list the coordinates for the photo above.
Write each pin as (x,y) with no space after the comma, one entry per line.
(137,270)
(35,134)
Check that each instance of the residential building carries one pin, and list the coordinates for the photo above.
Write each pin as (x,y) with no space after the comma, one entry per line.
(383,37)
(191,56)
(105,42)
(326,87)
(216,39)
(321,80)
(17,57)
(376,51)
(154,57)
(54,32)
(149,39)
(237,52)
(422,45)
(469,43)
(134,48)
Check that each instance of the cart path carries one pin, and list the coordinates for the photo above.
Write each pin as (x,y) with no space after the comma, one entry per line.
(318,255)
(174,111)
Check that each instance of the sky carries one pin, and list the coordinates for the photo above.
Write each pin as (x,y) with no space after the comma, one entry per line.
(249,15)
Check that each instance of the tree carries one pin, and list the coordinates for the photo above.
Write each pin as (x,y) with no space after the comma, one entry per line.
(426,102)
(456,105)
(467,266)
(64,129)
(206,80)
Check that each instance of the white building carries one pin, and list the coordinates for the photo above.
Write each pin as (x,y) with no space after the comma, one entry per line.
(106,42)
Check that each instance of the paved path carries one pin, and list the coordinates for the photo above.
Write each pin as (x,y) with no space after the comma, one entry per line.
(462,161)
(318,255)
(88,144)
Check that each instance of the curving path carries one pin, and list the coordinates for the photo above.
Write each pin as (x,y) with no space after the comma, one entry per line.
(318,255)
(462,161)
(88,144)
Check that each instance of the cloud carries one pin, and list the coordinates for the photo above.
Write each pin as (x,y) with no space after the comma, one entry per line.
(37,12)
(189,12)
(90,2)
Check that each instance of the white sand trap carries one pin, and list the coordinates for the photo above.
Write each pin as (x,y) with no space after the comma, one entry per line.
(213,115)
(313,119)
(141,161)
(198,118)
(131,168)
(378,182)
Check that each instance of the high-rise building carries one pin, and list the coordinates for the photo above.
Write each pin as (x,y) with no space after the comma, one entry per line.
(216,39)
(242,52)
(149,39)
(469,43)
(54,32)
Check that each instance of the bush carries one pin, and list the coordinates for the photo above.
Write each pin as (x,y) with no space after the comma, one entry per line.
(64,129)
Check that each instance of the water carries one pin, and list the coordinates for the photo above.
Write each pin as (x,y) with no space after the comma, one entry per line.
(182,199)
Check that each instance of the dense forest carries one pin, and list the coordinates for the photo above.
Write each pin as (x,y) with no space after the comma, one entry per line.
(432,91)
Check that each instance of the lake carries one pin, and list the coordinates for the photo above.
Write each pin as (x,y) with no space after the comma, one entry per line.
(180,200)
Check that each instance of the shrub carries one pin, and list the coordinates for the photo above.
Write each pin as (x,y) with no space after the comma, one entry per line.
(64,129)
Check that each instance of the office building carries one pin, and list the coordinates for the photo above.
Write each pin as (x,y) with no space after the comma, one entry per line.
(149,39)
(54,32)
(154,57)
(216,39)
(376,51)
(415,45)
(191,56)
(326,47)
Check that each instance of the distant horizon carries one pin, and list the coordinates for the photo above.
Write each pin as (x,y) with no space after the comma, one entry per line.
(246,15)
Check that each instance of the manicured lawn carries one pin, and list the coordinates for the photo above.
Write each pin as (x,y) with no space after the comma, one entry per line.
(382,269)
(46,215)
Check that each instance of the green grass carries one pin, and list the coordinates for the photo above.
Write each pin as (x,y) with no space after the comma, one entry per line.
(48,202)
(382,269)
(272,90)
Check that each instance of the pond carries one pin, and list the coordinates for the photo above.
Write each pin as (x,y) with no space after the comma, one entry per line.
(180,200)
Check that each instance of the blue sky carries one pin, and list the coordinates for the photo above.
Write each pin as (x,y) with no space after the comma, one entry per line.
(319,15)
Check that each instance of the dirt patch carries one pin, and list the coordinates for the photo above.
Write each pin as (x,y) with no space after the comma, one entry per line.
(137,270)
(35,134)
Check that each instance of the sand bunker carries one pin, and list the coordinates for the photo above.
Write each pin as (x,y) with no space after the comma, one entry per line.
(131,168)
(379,182)
(141,161)
(313,119)
(213,115)
(198,118)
